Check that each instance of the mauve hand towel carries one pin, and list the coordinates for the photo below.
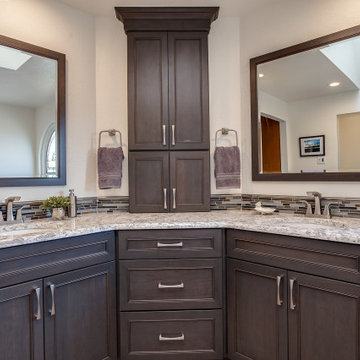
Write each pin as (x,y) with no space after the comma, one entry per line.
(227,167)
(110,167)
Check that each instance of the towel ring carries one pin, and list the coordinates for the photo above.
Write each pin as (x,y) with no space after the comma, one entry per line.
(225,131)
(111,132)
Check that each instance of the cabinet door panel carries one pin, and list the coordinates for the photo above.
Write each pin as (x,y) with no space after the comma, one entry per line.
(325,322)
(148,90)
(257,316)
(80,318)
(149,181)
(21,334)
(189,181)
(189,90)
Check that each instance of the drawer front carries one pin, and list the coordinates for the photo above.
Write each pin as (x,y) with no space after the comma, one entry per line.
(27,262)
(170,285)
(169,243)
(166,335)
(318,257)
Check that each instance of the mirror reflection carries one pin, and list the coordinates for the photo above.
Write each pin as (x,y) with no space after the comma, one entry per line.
(309,110)
(28,115)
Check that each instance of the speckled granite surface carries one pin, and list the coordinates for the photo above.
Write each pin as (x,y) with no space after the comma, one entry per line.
(337,229)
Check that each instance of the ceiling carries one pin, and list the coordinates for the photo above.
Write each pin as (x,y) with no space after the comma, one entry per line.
(227,7)
(34,84)
(303,76)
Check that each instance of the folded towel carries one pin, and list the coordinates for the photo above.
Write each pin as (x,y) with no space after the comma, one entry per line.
(110,167)
(227,167)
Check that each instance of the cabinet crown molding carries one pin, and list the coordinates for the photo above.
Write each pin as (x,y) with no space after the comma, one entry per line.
(167,18)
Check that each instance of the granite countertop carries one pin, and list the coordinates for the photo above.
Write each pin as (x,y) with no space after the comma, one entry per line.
(344,230)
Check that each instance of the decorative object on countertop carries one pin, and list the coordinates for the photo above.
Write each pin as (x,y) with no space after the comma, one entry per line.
(227,163)
(57,205)
(264,210)
(110,163)
(73,204)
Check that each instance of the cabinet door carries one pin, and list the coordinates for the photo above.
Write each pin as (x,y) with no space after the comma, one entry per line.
(323,319)
(188,91)
(190,181)
(149,181)
(257,312)
(148,91)
(21,322)
(80,314)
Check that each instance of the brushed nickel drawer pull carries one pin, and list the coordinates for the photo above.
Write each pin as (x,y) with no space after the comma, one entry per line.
(38,312)
(165,199)
(174,198)
(162,245)
(164,135)
(292,305)
(177,338)
(279,302)
(173,135)
(52,290)
(176,286)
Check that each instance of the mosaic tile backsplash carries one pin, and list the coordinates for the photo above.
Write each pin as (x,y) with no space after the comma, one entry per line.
(345,207)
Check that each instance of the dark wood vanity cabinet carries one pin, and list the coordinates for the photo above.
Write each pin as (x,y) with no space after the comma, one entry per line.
(67,313)
(168,103)
(168,91)
(282,312)
(170,294)
(169,181)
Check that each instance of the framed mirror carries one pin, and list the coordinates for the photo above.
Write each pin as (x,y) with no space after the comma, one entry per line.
(32,115)
(305,111)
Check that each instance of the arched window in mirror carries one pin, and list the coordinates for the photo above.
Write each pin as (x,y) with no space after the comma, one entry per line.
(47,155)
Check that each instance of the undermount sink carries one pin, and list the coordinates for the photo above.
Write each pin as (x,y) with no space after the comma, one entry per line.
(316,222)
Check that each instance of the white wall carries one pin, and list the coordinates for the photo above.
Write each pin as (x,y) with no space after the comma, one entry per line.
(59,27)
(17,141)
(278,25)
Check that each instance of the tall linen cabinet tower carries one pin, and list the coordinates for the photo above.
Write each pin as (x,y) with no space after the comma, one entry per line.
(168,107)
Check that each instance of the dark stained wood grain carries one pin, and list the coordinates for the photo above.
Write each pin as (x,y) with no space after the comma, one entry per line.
(147,90)
(84,324)
(157,244)
(257,326)
(140,279)
(202,332)
(21,335)
(33,261)
(325,322)
(325,258)
(167,18)
(308,45)
(190,177)
(189,90)
(148,177)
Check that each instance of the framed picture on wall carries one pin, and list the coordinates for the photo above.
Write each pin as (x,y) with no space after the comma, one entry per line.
(312,145)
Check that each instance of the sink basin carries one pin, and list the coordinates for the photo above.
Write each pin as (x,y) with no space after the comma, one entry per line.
(315,222)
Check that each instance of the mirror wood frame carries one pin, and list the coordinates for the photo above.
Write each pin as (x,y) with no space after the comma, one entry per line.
(308,45)
(61,119)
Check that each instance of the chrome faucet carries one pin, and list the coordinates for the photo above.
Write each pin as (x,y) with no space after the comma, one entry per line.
(9,207)
(317,198)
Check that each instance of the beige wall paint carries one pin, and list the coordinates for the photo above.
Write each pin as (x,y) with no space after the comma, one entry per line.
(59,27)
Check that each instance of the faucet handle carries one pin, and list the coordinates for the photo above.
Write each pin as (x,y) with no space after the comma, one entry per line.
(327,209)
(308,207)
(19,215)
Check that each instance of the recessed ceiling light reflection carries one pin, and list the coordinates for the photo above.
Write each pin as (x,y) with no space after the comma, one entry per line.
(334,84)
(261,75)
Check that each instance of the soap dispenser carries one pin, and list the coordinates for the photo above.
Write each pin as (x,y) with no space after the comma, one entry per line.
(73,205)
